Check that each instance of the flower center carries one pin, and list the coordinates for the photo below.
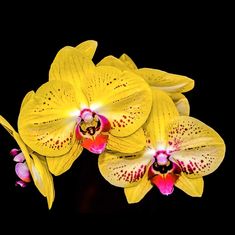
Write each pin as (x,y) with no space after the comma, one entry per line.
(162,163)
(89,124)
(92,131)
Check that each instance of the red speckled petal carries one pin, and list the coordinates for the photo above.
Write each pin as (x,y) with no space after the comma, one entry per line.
(59,165)
(47,121)
(137,193)
(198,149)
(124,98)
(163,110)
(22,171)
(123,170)
(97,145)
(165,183)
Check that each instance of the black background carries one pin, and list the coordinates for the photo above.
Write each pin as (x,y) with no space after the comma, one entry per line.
(194,40)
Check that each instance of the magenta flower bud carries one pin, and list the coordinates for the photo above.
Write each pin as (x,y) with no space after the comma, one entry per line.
(22,171)
(14,152)
(21,183)
(19,157)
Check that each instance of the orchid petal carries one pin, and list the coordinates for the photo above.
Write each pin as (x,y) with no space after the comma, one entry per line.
(181,103)
(123,170)
(27,97)
(22,171)
(196,148)
(42,177)
(193,187)
(17,138)
(163,110)
(168,82)
(38,169)
(71,66)
(59,165)
(113,61)
(137,193)
(128,61)
(47,122)
(130,144)
(87,48)
(122,97)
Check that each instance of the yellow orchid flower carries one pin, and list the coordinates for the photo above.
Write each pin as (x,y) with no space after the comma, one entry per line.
(84,106)
(173,84)
(31,165)
(180,151)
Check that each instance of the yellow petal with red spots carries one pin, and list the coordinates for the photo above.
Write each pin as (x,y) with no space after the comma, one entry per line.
(123,170)
(137,193)
(47,121)
(59,165)
(196,148)
(163,110)
(193,187)
(122,97)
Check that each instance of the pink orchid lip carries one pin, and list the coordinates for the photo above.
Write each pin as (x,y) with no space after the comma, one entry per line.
(165,183)
(97,145)
(163,173)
